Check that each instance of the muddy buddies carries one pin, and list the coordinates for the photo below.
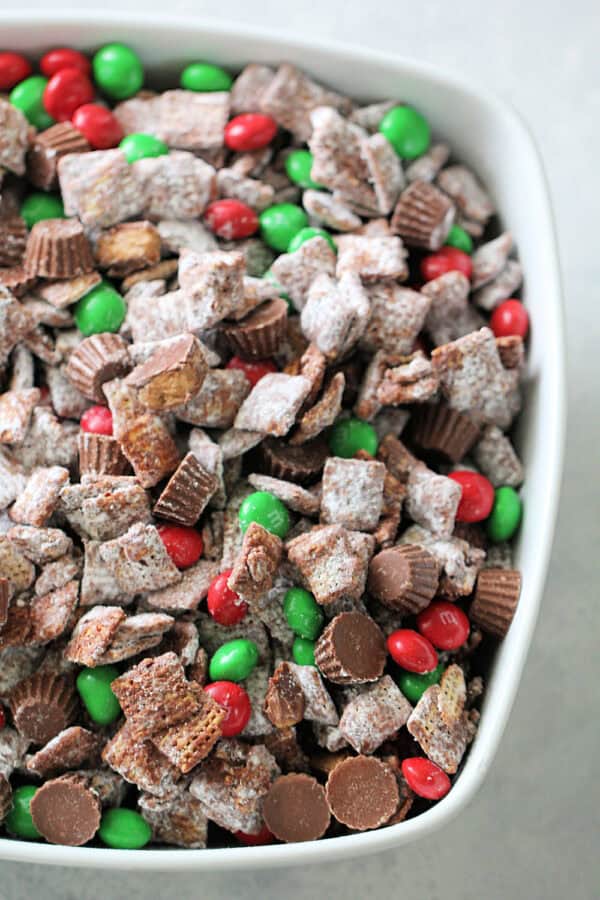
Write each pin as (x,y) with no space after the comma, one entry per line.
(260,360)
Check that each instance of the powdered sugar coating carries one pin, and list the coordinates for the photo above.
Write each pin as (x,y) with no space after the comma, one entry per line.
(374,715)
(397,316)
(352,493)
(273,404)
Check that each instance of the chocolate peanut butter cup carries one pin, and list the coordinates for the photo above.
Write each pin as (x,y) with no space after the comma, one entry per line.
(300,464)
(295,808)
(13,240)
(66,811)
(187,493)
(42,706)
(404,578)
(441,430)
(58,248)
(423,216)
(496,597)
(100,454)
(351,650)
(260,334)
(47,148)
(97,359)
(362,792)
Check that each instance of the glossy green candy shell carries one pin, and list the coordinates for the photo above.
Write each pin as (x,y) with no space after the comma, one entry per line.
(413,686)
(118,71)
(297,166)
(28,97)
(205,78)
(349,435)
(303,613)
(505,516)
(124,829)
(233,661)
(306,234)
(19,821)
(459,238)
(102,309)
(267,510)
(94,687)
(142,146)
(280,223)
(303,652)
(406,130)
(39,206)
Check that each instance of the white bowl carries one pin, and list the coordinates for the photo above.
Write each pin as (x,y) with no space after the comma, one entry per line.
(487,134)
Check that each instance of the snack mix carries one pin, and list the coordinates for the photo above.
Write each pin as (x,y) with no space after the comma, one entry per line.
(260,356)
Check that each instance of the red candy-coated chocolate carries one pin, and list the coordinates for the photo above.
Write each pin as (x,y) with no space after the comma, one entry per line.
(224,605)
(231,219)
(253,371)
(13,69)
(2,718)
(184,545)
(264,836)
(233,698)
(99,127)
(64,58)
(97,420)
(448,259)
(510,318)
(444,624)
(67,90)
(250,131)
(412,651)
(425,778)
(477,496)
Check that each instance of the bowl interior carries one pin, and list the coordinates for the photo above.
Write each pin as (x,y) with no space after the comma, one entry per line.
(487,135)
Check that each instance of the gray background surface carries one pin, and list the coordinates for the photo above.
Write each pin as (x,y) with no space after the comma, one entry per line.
(533,829)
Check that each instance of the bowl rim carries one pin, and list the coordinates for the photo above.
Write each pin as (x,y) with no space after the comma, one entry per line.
(480,756)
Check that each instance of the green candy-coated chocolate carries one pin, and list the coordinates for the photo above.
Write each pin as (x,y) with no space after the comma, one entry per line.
(303,652)
(118,71)
(413,686)
(19,821)
(233,661)
(349,435)
(305,234)
(406,130)
(267,510)
(142,146)
(205,77)
(124,829)
(38,206)
(279,224)
(303,613)
(28,96)
(505,516)
(459,238)
(102,309)
(298,165)
(94,687)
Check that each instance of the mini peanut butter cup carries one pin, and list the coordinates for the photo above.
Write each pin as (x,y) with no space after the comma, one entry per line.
(171,375)
(260,334)
(441,430)
(13,240)
(295,808)
(496,598)
(351,650)
(5,798)
(47,148)
(97,359)
(423,216)
(58,248)
(100,454)
(362,792)
(301,464)
(42,706)
(66,811)
(284,700)
(187,493)
(404,578)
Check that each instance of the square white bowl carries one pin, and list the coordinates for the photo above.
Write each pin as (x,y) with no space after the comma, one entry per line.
(487,134)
